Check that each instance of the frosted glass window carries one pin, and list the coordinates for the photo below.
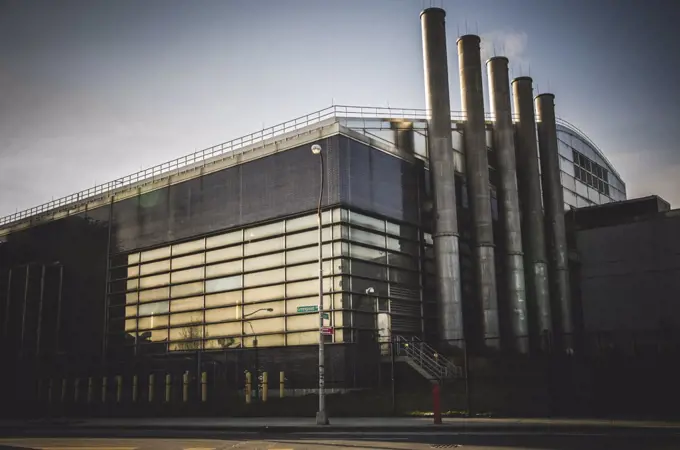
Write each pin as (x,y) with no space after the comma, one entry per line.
(581,189)
(223,342)
(266,246)
(131,297)
(305,338)
(569,197)
(223,329)
(367,238)
(303,322)
(272,325)
(154,308)
(302,239)
(222,314)
(133,258)
(224,254)
(130,324)
(224,284)
(567,166)
(160,266)
(187,275)
(154,294)
(301,223)
(263,293)
(223,299)
(224,239)
(265,277)
(132,271)
(223,269)
(259,310)
(302,272)
(272,340)
(187,289)
(186,304)
(568,182)
(147,323)
(358,251)
(593,195)
(130,311)
(308,254)
(302,288)
(188,261)
(153,336)
(263,231)
(188,247)
(158,253)
(263,262)
(132,284)
(366,221)
(156,280)
(186,333)
(187,318)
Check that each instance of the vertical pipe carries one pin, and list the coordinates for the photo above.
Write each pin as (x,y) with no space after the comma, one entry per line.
(504,145)
(119,388)
(533,231)
(40,310)
(151,387)
(9,292)
(107,277)
(135,388)
(440,151)
(553,201)
(185,387)
(58,324)
(204,387)
(248,387)
(282,379)
(168,387)
(477,168)
(23,311)
(265,386)
(104,387)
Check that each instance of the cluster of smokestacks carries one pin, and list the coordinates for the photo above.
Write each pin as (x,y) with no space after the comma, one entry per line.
(535,280)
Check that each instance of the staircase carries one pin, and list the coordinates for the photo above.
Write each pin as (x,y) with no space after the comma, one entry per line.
(424,359)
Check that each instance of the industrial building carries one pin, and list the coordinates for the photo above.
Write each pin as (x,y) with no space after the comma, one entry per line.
(442,225)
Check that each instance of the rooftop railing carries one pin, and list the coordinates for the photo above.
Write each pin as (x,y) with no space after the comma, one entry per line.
(236,147)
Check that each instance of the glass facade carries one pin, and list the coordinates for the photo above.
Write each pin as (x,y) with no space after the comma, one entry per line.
(224,291)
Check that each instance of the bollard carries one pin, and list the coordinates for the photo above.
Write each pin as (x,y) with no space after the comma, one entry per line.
(282,379)
(151,387)
(134,388)
(185,387)
(204,387)
(119,388)
(63,390)
(76,390)
(49,391)
(168,387)
(90,388)
(436,407)
(265,386)
(104,386)
(248,387)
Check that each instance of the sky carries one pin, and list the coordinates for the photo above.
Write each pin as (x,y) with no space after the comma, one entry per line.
(93,90)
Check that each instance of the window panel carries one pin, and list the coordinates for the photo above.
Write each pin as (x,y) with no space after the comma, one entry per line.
(366,221)
(187,289)
(132,271)
(187,304)
(358,251)
(146,309)
(224,254)
(187,275)
(293,304)
(402,245)
(301,223)
(188,261)
(303,322)
(404,261)
(223,314)
(154,294)
(311,270)
(304,338)
(152,336)
(263,231)
(224,284)
(224,239)
(155,280)
(195,317)
(258,310)
(130,311)
(131,297)
(155,254)
(263,293)
(133,258)
(132,283)
(130,324)
(265,277)
(272,340)
(146,323)
(263,262)
(186,333)
(223,329)
(366,237)
(188,247)
(223,299)
(312,237)
(266,246)
(223,342)
(223,269)
(309,287)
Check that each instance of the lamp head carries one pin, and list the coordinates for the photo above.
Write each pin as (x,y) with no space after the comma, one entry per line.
(316,149)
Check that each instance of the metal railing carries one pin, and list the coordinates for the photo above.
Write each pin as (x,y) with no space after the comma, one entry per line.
(234,148)
(426,357)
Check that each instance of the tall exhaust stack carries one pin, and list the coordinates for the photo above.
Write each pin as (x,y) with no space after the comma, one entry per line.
(479,192)
(533,231)
(445,234)
(553,202)
(504,145)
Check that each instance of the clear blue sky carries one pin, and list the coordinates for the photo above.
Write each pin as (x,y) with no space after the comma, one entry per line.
(91,90)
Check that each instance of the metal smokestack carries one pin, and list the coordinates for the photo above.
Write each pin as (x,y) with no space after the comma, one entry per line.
(477,168)
(504,145)
(533,231)
(440,147)
(553,202)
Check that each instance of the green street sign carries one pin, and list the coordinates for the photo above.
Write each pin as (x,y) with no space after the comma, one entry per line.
(307,309)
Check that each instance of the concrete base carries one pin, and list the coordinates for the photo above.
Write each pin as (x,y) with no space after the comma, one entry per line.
(321,418)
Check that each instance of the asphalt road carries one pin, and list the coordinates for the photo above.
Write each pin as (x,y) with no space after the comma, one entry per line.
(481,440)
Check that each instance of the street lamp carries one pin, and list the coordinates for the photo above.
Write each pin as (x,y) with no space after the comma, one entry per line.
(257,362)
(321,416)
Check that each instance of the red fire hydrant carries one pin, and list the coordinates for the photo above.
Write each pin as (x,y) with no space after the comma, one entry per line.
(436,407)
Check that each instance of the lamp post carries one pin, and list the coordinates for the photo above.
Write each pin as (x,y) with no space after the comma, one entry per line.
(257,362)
(321,416)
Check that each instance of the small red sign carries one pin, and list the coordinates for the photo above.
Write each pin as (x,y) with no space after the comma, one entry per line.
(327,330)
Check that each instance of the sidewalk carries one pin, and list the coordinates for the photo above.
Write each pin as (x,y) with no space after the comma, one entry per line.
(292,425)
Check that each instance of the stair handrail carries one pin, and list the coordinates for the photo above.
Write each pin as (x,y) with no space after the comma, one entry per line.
(427,357)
